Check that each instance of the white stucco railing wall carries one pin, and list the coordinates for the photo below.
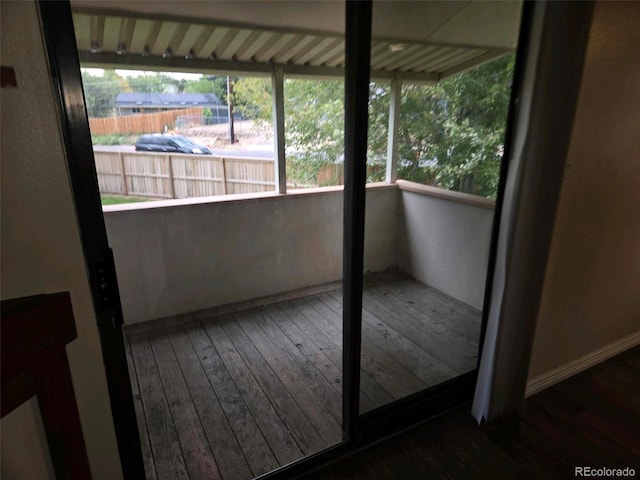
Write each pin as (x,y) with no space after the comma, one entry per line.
(180,256)
(443,239)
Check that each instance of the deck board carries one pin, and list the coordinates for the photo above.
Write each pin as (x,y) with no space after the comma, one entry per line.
(234,396)
(167,451)
(226,449)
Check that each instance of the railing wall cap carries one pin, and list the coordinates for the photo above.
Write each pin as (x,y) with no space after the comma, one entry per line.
(450,195)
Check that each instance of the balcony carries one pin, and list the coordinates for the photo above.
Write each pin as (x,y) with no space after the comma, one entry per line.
(233,315)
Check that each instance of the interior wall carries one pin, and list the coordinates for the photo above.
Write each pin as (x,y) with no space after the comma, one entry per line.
(191,256)
(41,250)
(591,296)
(445,244)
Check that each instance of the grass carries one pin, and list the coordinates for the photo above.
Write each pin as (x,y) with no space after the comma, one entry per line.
(117,199)
(113,139)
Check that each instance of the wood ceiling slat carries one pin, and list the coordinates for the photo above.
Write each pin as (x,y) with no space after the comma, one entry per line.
(203,38)
(111,33)
(189,39)
(336,61)
(462,57)
(379,50)
(259,48)
(317,49)
(397,58)
(233,46)
(472,62)
(153,37)
(165,34)
(126,32)
(266,53)
(424,63)
(440,59)
(213,41)
(409,59)
(82,27)
(140,35)
(377,47)
(298,44)
(97,30)
(383,57)
(330,53)
(254,43)
(177,38)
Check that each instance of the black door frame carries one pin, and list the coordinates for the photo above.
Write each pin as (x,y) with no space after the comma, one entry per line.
(64,66)
(358,430)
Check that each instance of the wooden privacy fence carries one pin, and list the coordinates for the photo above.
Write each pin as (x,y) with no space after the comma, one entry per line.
(164,175)
(140,123)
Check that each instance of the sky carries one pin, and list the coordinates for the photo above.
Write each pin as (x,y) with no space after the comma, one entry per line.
(137,73)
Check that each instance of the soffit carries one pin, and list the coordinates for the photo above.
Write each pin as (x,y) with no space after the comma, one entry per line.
(157,39)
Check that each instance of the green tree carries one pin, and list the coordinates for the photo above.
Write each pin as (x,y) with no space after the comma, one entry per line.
(208,84)
(101,91)
(150,82)
(450,134)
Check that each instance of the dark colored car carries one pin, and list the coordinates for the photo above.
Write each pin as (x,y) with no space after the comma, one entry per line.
(169,143)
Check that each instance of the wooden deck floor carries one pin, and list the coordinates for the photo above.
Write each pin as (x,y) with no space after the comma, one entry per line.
(238,395)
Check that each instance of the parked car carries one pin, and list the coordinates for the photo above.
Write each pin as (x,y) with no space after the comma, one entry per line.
(169,143)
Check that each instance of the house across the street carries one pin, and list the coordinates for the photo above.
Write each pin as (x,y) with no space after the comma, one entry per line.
(136,102)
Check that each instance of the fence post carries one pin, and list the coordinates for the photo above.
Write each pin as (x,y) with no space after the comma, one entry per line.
(124,174)
(173,187)
(224,176)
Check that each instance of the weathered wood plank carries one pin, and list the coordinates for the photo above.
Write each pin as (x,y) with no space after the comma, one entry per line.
(451,350)
(434,306)
(197,454)
(396,376)
(288,410)
(330,368)
(220,357)
(327,342)
(167,453)
(262,388)
(227,451)
(331,322)
(409,354)
(326,391)
(147,454)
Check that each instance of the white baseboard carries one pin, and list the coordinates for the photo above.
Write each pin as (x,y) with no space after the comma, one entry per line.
(556,375)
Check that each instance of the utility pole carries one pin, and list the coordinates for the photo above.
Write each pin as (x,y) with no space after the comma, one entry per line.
(232,137)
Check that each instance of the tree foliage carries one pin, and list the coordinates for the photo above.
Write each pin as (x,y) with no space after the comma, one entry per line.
(450,134)
(101,92)
(209,84)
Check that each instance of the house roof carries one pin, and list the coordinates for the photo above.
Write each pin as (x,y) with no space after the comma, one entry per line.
(137,99)
(421,41)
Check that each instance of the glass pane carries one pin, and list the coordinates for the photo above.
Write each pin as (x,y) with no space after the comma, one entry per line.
(436,124)
(315,132)
(231,296)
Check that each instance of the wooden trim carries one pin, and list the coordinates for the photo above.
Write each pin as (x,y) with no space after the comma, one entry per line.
(35,331)
(450,195)
(557,375)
